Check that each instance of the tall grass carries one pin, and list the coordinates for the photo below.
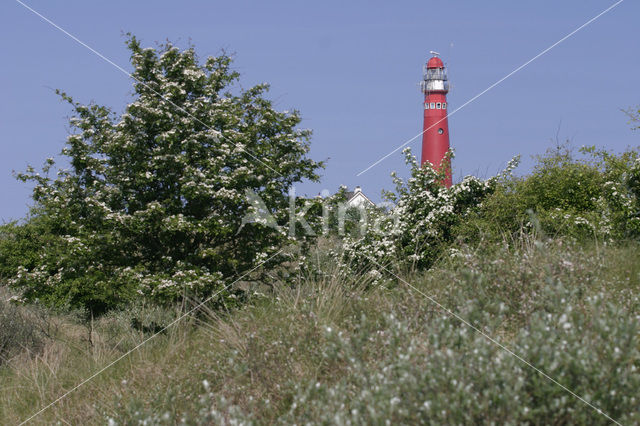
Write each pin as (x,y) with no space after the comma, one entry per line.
(71,351)
(334,349)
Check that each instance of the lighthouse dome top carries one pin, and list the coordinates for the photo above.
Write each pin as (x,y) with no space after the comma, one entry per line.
(435,62)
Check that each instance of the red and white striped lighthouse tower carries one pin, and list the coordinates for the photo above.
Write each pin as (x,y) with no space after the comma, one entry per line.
(435,138)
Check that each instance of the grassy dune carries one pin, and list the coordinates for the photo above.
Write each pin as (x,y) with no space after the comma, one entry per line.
(339,350)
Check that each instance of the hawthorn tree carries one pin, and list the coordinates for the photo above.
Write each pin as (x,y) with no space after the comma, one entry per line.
(422,223)
(153,200)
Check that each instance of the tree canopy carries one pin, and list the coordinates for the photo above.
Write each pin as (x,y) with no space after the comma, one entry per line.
(153,200)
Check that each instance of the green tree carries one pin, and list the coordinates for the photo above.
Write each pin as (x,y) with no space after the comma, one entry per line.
(153,199)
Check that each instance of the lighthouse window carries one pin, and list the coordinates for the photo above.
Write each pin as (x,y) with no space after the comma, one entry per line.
(433,105)
(438,105)
(444,105)
(426,106)
(440,131)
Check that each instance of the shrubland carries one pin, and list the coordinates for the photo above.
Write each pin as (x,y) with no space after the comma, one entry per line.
(590,195)
(512,299)
(339,349)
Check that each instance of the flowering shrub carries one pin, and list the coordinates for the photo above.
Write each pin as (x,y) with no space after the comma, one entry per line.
(420,225)
(592,196)
(153,201)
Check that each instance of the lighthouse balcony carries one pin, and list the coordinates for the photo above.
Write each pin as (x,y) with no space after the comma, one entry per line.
(434,86)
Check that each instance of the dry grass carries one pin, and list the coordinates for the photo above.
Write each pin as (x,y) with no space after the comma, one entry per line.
(311,352)
(67,358)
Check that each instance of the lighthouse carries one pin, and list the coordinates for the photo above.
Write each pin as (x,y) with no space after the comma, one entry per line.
(435,136)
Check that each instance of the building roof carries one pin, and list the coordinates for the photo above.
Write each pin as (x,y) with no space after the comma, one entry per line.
(357,198)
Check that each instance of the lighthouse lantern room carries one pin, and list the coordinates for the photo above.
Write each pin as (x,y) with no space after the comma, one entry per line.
(435,136)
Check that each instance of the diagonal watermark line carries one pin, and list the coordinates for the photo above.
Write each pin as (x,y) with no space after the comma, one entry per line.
(495,342)
(493,85)
(172,323)
(128,74)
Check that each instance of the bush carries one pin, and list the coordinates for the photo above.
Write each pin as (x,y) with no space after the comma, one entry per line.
(22,245)
(594,196)
(421,224)
(154,199)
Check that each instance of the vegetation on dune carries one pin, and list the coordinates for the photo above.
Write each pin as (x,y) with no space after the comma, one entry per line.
(421,224)
(20,329)
(592,195)
(337,350)
(483,302)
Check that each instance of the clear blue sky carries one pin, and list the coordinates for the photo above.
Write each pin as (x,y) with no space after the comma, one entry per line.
(350,67)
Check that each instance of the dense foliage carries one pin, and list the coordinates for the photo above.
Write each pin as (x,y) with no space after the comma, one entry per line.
(421,224)
(592,195)
(154,199)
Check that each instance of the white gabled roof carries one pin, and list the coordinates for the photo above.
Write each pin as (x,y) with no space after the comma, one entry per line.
(357,198)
